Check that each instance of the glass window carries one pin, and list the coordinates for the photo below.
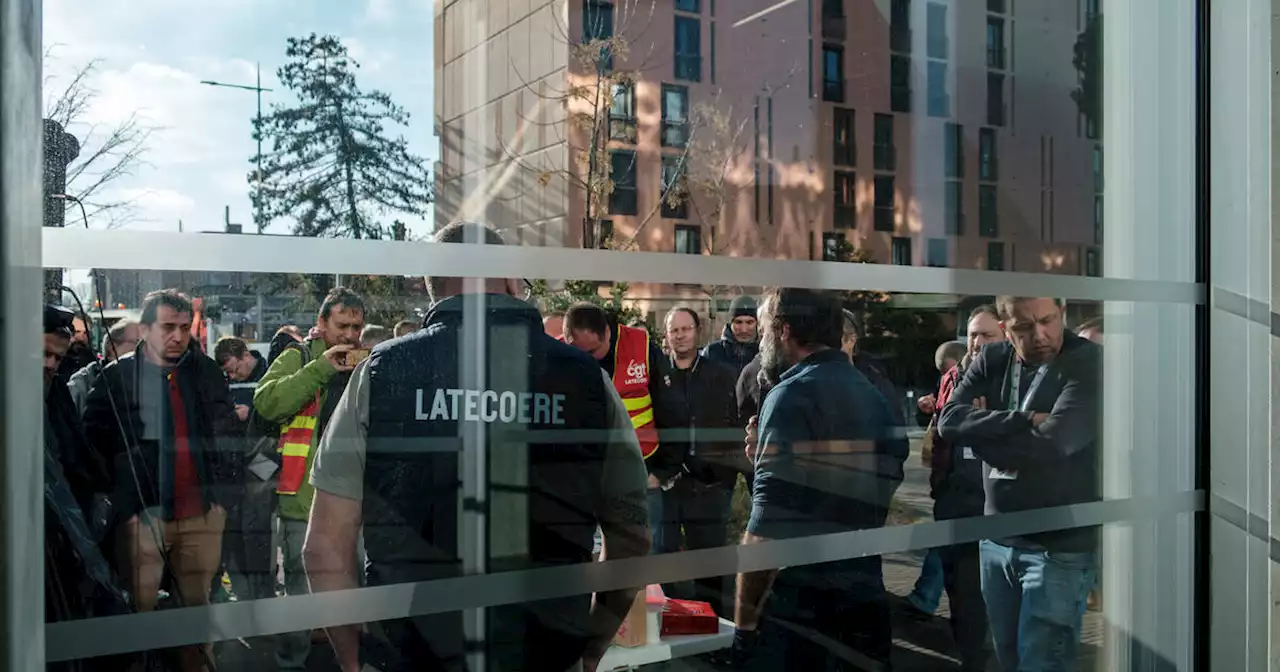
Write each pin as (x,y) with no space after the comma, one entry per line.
(600,233)
(845,145)
(900,83)
(937,252)
(597,20)
(995,43)
(675,188)
(988,163)
(675,115)
(988,215)
(832,9)
(688,6)
(688,46)
(622,199)
(832,246)
(886,154)
(1092,262)
(938,46)
(884,197)
(833,73)
(953,144)
(1097,220)
(688,239)
(1097,168)
(622,115)
(900,26)
(954,211)
(995,256)
(997,6)
(846,199)
(939,100)
(901,251)
(996,108)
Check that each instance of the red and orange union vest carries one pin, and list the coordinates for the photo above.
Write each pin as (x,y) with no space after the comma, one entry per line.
(295,444)
(631,378)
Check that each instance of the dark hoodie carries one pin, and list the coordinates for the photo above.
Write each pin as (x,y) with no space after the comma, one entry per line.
(729,351)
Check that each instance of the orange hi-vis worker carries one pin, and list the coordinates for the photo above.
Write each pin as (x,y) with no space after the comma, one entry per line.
(631,371)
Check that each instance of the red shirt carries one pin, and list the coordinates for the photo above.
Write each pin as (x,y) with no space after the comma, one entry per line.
(188,499)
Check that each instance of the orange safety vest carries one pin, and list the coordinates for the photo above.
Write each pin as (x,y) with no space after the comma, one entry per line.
(631,372)
(295,445)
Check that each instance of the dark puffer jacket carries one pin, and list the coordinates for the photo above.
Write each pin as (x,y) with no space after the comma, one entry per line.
(729,351)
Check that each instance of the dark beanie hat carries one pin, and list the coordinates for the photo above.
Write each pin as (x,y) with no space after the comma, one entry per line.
(742,306)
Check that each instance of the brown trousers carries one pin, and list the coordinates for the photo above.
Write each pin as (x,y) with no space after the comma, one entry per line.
(194,548)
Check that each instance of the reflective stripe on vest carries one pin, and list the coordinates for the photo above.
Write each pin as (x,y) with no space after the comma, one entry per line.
(295,445)
(631,374)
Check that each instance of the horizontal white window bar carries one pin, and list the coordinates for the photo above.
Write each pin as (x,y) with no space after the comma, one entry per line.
(152,250)
(142,632)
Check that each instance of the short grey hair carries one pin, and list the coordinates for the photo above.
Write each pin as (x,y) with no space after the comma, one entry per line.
(115,335)
(954,350)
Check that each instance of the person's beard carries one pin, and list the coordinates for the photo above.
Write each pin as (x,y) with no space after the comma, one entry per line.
(773,362)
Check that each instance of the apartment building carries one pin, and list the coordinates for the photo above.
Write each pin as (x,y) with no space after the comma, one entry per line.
(925,132)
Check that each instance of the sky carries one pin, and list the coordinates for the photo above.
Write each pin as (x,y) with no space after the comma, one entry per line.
(153,54)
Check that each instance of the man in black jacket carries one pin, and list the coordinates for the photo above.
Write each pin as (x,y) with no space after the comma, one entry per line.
(1029,408)
(699,407)
(740,342)
(163,418)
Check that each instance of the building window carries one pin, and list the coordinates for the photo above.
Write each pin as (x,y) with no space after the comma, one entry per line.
(988,215)
(955,208)
(995,256)
(845,187)
(832,245)
(833,73)
(688,49)
(597,24)
(1097,168)
(988,165)
(995,42)
(1093,262)
(995,99)
(900,26)
(939,102)
(996,6)
(688,239)
(602,238)
(884,193)
(936,253)
(900,83)
(953,143)
(886,154)
(675,188)
(901,251)
(833,9)
(1097,219)
(622,200)
(1090,8)
(675,116)
(936,31)
(622,115)
(688,6)
(845,146)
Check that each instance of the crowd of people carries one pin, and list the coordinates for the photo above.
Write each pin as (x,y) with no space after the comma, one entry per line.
(333,462)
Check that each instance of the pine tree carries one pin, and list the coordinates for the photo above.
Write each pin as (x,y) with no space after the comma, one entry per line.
(332,165)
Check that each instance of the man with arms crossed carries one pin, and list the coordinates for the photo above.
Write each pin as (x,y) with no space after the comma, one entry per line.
(1029,408)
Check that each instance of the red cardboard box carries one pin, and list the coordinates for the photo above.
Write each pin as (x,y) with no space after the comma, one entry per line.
(686,617)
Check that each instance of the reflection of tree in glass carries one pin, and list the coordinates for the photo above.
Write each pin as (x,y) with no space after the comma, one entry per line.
(107,152)
(576,291)
(331,164)
(1088,62)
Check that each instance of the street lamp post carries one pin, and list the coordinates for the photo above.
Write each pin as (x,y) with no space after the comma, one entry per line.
(257,88)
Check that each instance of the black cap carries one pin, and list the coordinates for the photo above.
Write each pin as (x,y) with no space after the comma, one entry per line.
(742,306)
(59,320)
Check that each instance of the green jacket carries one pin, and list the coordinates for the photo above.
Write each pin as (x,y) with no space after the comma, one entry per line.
(287,386)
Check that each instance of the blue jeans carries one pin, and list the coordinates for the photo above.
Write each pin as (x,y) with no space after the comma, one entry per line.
(928,590)
(1035,603)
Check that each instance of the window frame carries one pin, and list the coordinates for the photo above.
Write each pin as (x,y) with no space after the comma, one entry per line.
(831,241)
(997,54)
(833,89)
(617,206)
(844,203)
(844,122)
(953,150)
(676,162)
(885,214)
(885,154)
(687,66)
(900,252)
(988,155)
(988,211)
(696,9)
(670,126)
(931,247)
(997,105)
(900,93)
(687,229)
(993,247)
(624,126)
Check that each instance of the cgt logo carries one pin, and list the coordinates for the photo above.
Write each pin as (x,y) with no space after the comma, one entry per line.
(637,373)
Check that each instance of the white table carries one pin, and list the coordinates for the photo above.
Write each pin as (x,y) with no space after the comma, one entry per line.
(670,648)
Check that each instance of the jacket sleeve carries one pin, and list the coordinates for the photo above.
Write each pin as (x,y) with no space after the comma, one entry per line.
(288,385)
(100,425)
(668,459)
(960,423)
